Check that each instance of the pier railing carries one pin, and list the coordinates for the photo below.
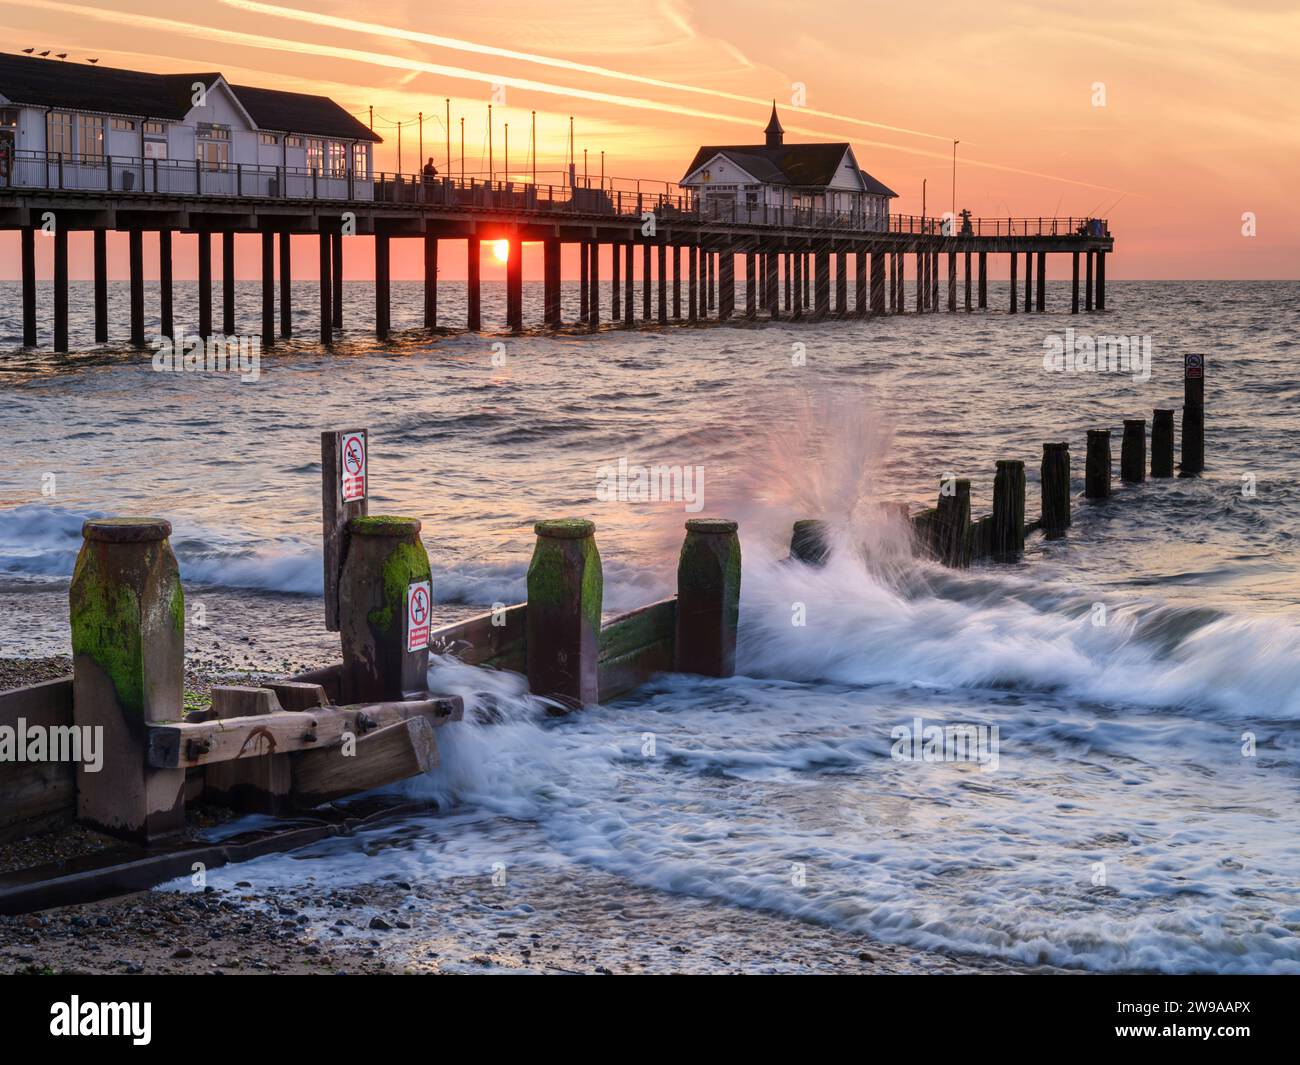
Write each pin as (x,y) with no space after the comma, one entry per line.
(128,177)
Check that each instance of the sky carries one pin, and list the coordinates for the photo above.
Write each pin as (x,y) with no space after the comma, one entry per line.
(1177,120)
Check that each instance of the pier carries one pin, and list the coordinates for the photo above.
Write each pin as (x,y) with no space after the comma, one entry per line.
(798,264)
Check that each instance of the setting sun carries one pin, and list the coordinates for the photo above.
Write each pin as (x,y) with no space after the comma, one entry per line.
(501,249)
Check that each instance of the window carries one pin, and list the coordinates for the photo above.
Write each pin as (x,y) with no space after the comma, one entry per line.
(360,161)
(293,142)
(269,139)
(338,156)
(122,123)
(155,149)
(58,133)
(156,129)
(315,154)
(90,131)
(8,118)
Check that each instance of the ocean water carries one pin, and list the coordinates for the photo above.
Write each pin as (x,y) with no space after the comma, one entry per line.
(1139,812)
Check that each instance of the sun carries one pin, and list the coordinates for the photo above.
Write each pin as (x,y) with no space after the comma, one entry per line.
(501,249)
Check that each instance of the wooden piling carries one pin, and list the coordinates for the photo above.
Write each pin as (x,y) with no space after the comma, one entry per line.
(1074,283)
(727,285)
(797,311)
(708,598)
(1193,415)
(1054,482)
(336,277)
(984,280)
(645,282)
(950,532)
(629,286)
(1012,257)
(773,285)
(1040,298)
(325,286)
(677,282)
(1008,520)
(166,317)
(1101,280)
(1096,483)
(692,283)
(920,282)
(127,614)
(710,280)
(383,288)
(810,541)
(473,285)
(268,288)
(615,282)
(787,268)
(431,279)
(385,596)
(228,283)
(593,298)
(565,593)
(1133,451)
(515,288)
(551,259)
(1087,288)
(952,282)
(751,286)
(60,287)
(205,284)
(135,266)
(101,286)
(822,302)
(967,279)
(286,283)
(877,299)
(662,287)
(841,284)
(1162,442)
(27,240)
(1029,281)
(584,280)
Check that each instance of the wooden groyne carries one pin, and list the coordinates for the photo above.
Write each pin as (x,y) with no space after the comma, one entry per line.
(786,255)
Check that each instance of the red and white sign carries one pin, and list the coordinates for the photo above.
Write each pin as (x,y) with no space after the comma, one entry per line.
(419,609)
(352,466)
(1193,365)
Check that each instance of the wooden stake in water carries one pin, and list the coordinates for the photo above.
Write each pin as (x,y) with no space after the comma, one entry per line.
(1133,451)
(1054,480)
(565,595)
(708,598)
(1009,508)
(1096,482)
(1193,415)
(1162,443)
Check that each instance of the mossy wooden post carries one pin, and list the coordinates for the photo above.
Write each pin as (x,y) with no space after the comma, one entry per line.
(1162,442)
(708,598)
(345,487)
(951,531)
(1054,481)
(1096,471)
(810,541)
(565,591)
(1193,415)
(1133,451)
(386,558)
(128,664)
(1008,525)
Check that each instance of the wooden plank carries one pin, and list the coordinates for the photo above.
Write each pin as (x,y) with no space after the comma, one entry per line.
(329,677)
(335,515)
(618,676)
(237,700)
(638,628)
(173,745)
(404,749)
(493,639)
(36,793)
(299,695)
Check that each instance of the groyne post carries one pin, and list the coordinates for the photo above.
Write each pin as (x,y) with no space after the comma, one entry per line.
(1008,521)
(1054,482)
(385,609)
(810,541)
(1162,442)
(127,613)
(1193,415)
(1096,471)
(1133,451)
(345,490)
(950,535)
(708,598)
(565,594)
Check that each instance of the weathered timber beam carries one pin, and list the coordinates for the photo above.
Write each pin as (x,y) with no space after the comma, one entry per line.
(181,745)
(494,639)
(403,749)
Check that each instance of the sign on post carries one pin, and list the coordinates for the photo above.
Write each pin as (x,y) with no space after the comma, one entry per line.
(353,467)
(419,609)
(344,467)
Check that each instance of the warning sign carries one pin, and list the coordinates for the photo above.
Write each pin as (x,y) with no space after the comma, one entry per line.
(1193,365)
(419,607)
(353,467)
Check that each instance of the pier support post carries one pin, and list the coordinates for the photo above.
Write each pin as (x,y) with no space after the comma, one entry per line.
(593,287)
(1193,415)
(286,285)
(383,293)
(950,536)
(135,257)
(797,311)
(204,285)
(774,285)
(268,288)
(60,286)
(228,283)
(385,580)
(515,288)
(431,279)
(1096,472)
(693,282)
(807,280)
(841,284)
(565,592)
(1008,523)
(1013,285)
(629,283)
(677,282)
(1040,296)
(473,285)
(1087,287)
(708,598)
(710,277)
(822,303)
(1101,280)
(952,282)
(27,239)
(894,284)
(788,266)
(920,282)
(984,280)
(967,279)
(727,283)
(101,286)
(1029,281)
(877,301)
(128,665)
(584,280)
(864,293)
(336,277)
(1074,282)
(934,281)
(751,286)
(1162,442)
(663,284)
(166,319)
(1133,451)
(1054,482)
(615,282)
(327,288)
(645,282)
(551,282)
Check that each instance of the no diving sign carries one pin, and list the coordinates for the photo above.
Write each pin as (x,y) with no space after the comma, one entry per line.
(352,466)
(1193,365)
(419,608)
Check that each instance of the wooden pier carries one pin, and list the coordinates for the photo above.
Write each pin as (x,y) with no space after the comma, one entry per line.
(787,256)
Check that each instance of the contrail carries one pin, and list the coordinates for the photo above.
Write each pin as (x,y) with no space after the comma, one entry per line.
(211,34)
(377,30)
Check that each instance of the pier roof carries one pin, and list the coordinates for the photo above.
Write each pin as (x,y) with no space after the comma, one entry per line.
(800,165)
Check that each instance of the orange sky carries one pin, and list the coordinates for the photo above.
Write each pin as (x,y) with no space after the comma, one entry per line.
(1201,121)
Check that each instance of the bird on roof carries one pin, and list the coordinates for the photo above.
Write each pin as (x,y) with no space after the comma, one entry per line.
(92,60)
(44,53)
(62,55)
(29,51)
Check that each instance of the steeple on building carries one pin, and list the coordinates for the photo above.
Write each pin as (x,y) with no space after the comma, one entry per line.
(775,134)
